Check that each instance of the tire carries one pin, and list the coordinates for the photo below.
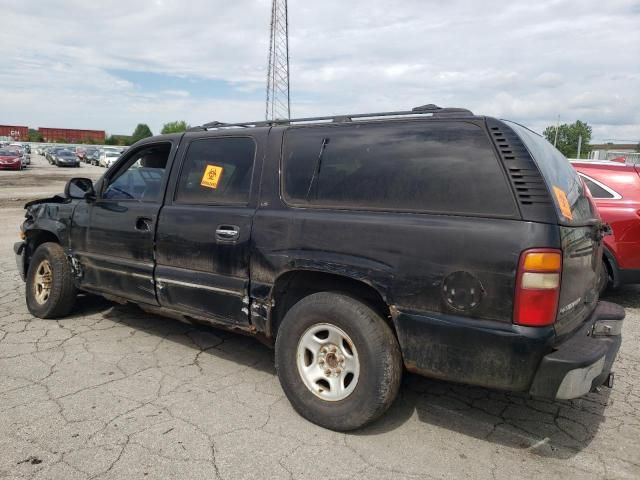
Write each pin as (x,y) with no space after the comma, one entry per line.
(61,296)
(603,278)
(374,384)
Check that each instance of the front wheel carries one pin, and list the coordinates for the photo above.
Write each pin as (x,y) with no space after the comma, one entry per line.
(50,292)
(338,361)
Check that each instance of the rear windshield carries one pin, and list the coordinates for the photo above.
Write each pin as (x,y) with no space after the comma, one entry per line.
(561,178)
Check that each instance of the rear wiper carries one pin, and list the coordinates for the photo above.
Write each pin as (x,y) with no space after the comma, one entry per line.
(316,168)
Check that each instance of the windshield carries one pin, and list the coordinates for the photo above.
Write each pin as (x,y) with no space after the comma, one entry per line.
(562,180)
(8,153)
(112,154)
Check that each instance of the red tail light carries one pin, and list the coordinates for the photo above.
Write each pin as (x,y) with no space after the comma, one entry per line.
(537,287)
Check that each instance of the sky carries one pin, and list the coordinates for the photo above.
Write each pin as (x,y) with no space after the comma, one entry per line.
(110,65)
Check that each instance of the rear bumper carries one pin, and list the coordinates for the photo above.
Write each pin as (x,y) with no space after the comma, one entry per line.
(583,362)
(511,357)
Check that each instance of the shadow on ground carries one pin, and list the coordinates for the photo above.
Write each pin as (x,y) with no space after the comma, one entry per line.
(557,429)
(628,296)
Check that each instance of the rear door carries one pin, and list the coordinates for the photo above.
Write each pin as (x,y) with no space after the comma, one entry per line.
(203,239)
(580,231)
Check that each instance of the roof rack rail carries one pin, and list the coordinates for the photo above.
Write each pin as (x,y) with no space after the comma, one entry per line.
(429,109)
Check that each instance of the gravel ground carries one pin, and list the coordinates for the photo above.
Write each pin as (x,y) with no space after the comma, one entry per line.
(111,393)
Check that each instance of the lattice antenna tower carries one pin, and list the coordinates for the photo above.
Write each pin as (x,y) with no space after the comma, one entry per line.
(278,104)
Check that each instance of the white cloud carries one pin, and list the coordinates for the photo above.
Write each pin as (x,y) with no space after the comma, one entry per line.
(529,61)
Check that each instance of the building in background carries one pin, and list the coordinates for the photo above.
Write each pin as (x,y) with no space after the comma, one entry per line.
(609,151)
(71,135)
(14,132)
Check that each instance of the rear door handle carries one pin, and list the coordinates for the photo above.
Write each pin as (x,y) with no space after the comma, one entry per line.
(227,233)
(144,224)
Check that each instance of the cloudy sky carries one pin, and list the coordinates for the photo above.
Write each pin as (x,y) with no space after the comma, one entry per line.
(112,64)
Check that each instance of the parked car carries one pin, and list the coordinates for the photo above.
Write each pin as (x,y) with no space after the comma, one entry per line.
(615,188)
(108,156)
(19,148)
(10,159)
(48,153)
(84,153)
(51,154)
(93,157)
(80,151)
(65,158)
(460,246)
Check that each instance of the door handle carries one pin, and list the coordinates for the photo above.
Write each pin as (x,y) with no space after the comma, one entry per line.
(227,233)
(144,224)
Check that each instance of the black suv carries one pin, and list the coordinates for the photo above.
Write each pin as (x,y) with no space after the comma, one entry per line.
(459,246)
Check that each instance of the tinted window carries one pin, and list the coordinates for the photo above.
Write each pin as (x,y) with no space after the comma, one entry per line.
(596,190)
(411,166)
(140,178)
(217,170)
(557,172)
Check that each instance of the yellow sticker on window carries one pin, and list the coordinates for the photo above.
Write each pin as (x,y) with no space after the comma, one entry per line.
(563,202)
(211,176)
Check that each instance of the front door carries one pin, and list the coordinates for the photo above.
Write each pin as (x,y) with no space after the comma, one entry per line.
(204,229)
(115,244)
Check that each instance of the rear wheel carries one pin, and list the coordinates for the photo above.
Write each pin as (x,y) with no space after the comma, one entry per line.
(50,291)
(338,361)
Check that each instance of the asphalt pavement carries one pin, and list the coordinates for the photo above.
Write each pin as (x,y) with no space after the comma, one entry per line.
(112,393)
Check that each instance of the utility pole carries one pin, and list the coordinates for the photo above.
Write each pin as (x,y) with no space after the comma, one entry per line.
(555,142)
(278,104)
(579,145)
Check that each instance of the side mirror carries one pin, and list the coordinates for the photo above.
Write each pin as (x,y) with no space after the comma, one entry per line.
(80,188)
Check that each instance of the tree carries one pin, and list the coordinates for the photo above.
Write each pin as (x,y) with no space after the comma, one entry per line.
(35,135)
(638,147)
(111,140)
(568,135)
(141,131)
(175,127)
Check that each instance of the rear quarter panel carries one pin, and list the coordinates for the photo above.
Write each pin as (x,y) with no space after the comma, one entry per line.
(405,256)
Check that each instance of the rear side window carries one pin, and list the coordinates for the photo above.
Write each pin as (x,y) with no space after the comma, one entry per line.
(439,167)
(596,190)
(217,170)
(562,180)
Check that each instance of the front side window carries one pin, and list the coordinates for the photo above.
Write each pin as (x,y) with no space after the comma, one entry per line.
(217,171)
(140,178)
(439,167)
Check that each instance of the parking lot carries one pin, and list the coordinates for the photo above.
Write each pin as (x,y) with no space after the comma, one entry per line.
(112,392)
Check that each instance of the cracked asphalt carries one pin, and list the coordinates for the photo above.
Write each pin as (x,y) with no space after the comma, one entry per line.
(111,392)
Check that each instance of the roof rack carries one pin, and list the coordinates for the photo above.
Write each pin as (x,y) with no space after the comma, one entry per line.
(429,109)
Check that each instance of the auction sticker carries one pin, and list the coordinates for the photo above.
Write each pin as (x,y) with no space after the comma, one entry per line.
(211,176)
(563,202)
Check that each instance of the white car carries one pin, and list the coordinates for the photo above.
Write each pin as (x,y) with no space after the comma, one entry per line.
(108,157)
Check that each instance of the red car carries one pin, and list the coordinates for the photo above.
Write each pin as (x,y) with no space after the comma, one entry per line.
(10,159)
(615,188)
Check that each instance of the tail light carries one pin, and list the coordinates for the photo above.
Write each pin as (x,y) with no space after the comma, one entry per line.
(537,287)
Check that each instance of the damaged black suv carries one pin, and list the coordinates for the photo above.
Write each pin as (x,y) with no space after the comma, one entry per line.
(457,246)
